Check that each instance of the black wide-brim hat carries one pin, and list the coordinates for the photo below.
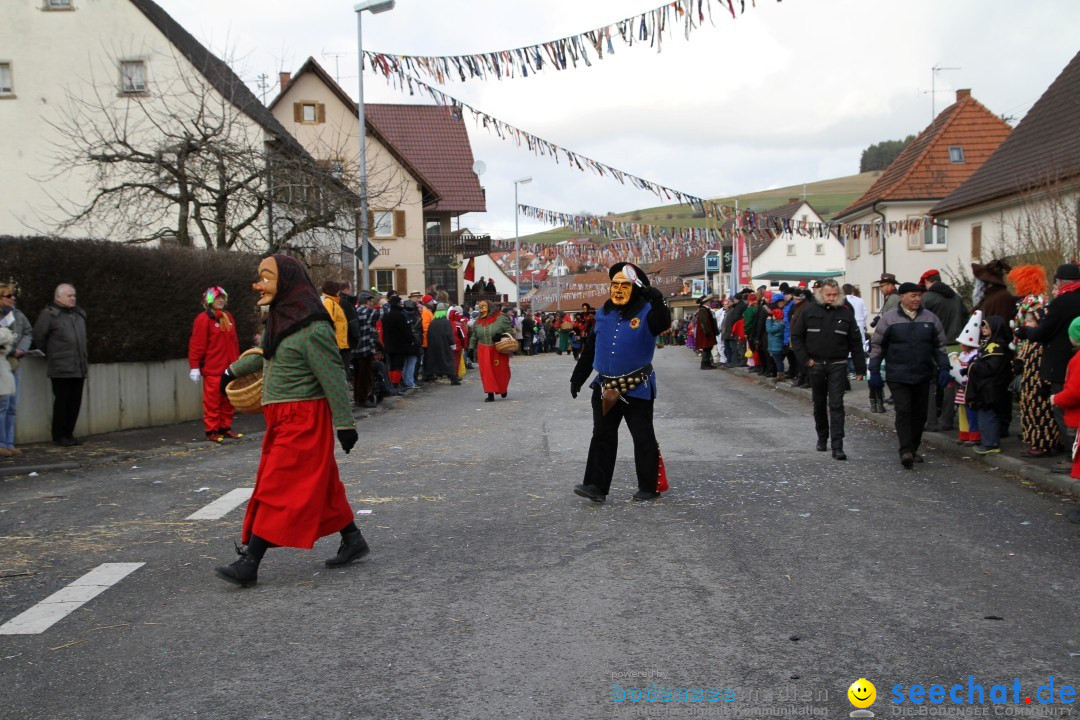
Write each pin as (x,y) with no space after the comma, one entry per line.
(640,273)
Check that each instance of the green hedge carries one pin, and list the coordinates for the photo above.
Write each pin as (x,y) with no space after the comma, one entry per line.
(140,302)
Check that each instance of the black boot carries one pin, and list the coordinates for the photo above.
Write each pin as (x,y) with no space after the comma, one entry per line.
(822,444)
(490,397)
(353,547)
(838,450)
(244,572)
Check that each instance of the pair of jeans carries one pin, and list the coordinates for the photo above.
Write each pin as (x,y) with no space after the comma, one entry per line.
(408,373)
(912,401)
(731,347)
(989,427)
(828,381)
(7,417)
(778,359)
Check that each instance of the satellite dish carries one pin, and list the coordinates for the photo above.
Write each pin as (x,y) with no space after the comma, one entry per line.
(479,167)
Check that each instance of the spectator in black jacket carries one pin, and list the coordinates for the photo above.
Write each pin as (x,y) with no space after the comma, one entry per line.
(823,336)
(911,342)
(1053,332)
(944,302)
(397,339)
(734,313)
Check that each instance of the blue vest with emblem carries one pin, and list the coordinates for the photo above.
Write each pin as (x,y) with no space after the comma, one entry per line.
(623,346)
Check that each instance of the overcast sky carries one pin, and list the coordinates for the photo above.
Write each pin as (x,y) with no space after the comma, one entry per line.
(789,92)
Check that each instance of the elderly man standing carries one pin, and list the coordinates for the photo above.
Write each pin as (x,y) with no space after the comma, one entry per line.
(911,342)
(823,336)
(60,332)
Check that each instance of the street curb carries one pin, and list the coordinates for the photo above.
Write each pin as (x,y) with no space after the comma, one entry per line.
(943,443)
(201,446)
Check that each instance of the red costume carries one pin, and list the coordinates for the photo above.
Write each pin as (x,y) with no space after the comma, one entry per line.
(212,348)
(1069,400)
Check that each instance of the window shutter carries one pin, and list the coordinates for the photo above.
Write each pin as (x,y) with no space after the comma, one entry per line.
(370,223)
(320,113)
(399,223)
(297,112)
(401,281)
(976,242)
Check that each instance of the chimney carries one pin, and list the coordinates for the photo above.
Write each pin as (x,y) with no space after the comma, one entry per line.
(793,200)
(963,94)
(284,78)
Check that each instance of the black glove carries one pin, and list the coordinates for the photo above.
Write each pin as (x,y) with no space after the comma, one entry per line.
(575,388)
(226,378)
(347,438)
(1021,332)
(653,294)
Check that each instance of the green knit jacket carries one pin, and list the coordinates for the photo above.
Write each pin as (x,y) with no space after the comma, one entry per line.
(489,334)
(306,366)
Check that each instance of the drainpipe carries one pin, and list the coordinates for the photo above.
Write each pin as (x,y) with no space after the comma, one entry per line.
(873,209)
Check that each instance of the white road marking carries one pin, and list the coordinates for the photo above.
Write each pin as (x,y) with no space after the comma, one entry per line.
(223,505)
(65,601)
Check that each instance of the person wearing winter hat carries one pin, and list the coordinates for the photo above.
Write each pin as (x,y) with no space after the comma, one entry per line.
(214,346)
(989,376)
(1052,332)
(911,342)
(620,349)
(1068,400)
(705,333)
(944,302)
(991,295)
(774,329)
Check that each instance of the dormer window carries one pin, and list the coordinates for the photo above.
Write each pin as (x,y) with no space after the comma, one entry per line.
(132,77)
(956,154)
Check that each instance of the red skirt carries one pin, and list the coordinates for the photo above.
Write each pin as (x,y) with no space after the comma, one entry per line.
(298,494)
(494,368)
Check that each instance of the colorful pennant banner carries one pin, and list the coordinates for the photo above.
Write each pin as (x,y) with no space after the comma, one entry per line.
(649,27)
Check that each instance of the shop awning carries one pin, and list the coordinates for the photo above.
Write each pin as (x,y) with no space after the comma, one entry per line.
(803,275)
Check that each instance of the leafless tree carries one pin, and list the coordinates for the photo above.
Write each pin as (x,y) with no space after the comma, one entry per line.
(180,160)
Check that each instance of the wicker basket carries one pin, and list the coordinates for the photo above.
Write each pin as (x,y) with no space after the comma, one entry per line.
(507,345)
(567,326)
(245,392)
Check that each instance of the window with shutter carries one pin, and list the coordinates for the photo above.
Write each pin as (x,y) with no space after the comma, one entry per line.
(976,241)
(382,223)
(399,223)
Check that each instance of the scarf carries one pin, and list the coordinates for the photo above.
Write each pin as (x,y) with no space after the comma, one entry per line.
(222,317)
(296,305)
(1071,287)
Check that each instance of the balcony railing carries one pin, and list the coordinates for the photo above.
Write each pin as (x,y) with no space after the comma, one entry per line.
(464,245)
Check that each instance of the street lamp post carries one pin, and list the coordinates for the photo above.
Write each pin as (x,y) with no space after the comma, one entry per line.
(517,243)
(375,6)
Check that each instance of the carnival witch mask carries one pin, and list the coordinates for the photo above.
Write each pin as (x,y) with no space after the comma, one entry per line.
(267,284)
(483,308)
(621,288)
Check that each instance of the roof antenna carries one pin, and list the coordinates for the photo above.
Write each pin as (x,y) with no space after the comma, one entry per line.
(932,92)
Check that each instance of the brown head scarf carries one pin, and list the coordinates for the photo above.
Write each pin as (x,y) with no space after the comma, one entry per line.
(296,305)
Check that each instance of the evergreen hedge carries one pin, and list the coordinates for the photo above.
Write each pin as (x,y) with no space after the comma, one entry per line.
(140,302)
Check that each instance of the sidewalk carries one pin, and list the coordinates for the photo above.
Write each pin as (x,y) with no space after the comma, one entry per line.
(127,445)
(857,402)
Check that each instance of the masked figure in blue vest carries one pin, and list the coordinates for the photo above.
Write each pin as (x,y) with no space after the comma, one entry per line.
(620,349)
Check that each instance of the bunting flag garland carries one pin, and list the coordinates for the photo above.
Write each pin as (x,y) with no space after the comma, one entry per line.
(568,52)
(644,243)
(544,148)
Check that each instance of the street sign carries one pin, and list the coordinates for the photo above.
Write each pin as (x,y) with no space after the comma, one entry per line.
(373,252)
(712,263)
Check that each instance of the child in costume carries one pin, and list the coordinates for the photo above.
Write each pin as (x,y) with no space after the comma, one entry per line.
(1069,400)
(988,377)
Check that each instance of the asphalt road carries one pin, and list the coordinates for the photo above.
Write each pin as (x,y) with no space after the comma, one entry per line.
(770,576)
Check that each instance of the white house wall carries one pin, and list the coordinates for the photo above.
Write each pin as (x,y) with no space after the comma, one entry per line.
(96,35)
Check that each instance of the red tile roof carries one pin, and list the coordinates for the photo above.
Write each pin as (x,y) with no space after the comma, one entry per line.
(923,171)
(435,141)
(1044,147)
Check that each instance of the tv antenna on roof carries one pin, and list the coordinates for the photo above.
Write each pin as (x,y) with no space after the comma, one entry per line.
(933,88)
(337,57)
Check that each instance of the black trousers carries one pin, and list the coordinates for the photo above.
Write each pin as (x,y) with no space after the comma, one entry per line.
(363,377)
(912,402)
(67,401)
(828,381)
(605,443)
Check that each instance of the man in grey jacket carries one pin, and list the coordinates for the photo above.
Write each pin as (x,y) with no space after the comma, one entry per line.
(60,332)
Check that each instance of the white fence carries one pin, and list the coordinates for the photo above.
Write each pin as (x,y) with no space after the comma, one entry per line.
(116,396)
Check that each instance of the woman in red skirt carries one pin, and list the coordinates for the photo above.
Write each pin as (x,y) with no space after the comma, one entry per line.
(494,365)
(298,495)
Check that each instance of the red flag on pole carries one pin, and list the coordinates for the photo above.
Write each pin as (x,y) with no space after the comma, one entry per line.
(470,271)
